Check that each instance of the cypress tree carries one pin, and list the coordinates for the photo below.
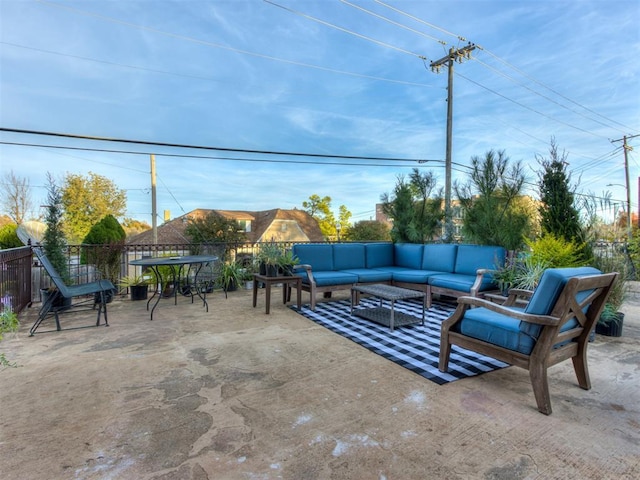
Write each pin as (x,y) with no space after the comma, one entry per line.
(558,213)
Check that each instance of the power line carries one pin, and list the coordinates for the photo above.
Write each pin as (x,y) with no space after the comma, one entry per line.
(207,147)
(521,72)
(217,45)
(529,108)
(509,65)
(462,39)
(207,157)
(220,46)
(508,77)
(350,32)
(397,24)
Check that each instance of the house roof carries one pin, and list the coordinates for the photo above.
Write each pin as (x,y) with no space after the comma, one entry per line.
(173,231)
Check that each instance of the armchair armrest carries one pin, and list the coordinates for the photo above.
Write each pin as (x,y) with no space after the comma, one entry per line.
(480,273)
(465,302)
(307,269)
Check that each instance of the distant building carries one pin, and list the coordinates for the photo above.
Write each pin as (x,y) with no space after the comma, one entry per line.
(263,226)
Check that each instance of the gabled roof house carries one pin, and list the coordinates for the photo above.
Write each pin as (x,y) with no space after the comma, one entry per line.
(269,225)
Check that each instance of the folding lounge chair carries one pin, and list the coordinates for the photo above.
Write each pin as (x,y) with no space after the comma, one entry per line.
(93,294)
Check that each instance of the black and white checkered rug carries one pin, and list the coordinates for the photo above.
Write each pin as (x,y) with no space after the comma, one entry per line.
(415,347)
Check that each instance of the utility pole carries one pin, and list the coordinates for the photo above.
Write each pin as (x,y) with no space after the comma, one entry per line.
(626,148)
(454,55)
(154,214)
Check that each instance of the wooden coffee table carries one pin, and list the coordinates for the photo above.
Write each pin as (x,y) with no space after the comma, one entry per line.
(381,314)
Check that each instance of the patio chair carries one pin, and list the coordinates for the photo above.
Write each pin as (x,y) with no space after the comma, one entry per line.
(91,294)
(553,327)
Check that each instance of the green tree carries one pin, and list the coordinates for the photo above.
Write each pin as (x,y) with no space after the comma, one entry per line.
(8,236)
(134,227)
(489,202)
(86,200)
(54,241)
(344,221)
(415,209)
(368,230)
(320,209)
(559,215)
(214,228)
(105,243)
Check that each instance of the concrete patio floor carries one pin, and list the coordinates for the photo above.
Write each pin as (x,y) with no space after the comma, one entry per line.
(237,394)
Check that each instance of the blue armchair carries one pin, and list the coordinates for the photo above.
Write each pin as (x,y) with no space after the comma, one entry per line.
(553,327)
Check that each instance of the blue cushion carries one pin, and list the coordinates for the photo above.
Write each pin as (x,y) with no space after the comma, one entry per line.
(496,329)
(503,330)
(547,292)
(459,282)
(369,275)
(324,278)
(408,255)
(551,284)
(472,257)
(378,254)
(412,276)
(440,257)
(348,256)
(319,256)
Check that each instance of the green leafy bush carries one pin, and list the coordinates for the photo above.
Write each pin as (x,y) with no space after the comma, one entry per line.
(8,321)
(555,252)
(9,237)
(106,240)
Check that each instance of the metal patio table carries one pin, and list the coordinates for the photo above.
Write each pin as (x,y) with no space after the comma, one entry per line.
(177,266)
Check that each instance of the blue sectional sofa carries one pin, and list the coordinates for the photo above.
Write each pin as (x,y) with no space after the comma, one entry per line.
(444,269)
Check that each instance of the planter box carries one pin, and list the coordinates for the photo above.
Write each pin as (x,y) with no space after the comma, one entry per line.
(612,328)
(139,292)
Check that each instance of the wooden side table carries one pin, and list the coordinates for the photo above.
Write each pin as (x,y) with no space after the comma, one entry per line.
(286,281)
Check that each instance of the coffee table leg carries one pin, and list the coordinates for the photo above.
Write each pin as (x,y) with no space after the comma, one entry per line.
(353,295)
(391,314)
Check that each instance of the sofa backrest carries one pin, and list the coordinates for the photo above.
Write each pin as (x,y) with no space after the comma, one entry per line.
(348,256)
(378,255)
(439,257)
(470,258)
(408,255)
(550,286)
(318,255)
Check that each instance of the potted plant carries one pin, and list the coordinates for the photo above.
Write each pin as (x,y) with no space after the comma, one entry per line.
(521,271)
(138,286)
(269,258)
(230,275)
(611,318)
(286,262)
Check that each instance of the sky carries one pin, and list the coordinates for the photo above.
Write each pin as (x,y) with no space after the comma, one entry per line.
(254,79)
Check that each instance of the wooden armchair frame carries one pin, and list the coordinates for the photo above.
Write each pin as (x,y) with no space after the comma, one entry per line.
(552,345)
